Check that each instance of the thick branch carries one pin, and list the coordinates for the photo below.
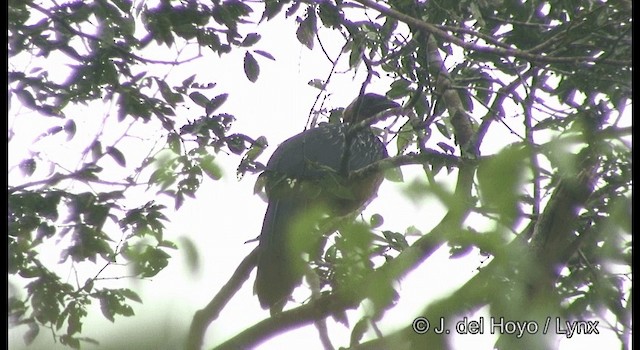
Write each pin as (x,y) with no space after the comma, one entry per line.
(303,315)
(500,51)
(430,157)
(203,318)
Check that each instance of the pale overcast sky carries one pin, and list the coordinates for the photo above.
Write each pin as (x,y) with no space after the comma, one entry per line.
(226,213)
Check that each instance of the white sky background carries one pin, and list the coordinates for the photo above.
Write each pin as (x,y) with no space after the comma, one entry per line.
(226,213)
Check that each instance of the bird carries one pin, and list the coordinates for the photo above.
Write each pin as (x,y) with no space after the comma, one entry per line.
(307,179)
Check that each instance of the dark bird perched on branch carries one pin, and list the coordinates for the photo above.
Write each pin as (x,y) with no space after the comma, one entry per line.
(306,180)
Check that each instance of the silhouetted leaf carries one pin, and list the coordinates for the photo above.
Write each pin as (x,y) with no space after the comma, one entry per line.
(215,103)
(265,54)
(307,29)
(250,39)
(70,129)
(251,67)
(117,156)
(200,99)
(28,167)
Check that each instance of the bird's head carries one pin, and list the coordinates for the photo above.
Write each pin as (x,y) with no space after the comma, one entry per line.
(366,106)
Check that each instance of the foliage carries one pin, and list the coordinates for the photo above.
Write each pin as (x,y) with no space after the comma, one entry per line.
(556,74)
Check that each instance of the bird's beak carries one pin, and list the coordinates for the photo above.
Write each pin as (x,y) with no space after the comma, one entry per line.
(367,107)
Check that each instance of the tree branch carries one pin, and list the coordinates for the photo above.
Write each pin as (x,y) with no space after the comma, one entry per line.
(203,318)
(429,157)
(500,51)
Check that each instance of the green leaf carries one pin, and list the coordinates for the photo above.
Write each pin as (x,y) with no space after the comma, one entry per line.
(358,331)
(355,57)
(74,324)
(399,88)
(167,244)
(191,253)
(200,99)
(307,29)
(171,97)
(251,67)
(396,240)
(174,142)
(394,174)
(500,181)
(406,137)
(330,15)
(71,341)
(444,129)
(210,167)
(129,294)
(106,308)
(236,144)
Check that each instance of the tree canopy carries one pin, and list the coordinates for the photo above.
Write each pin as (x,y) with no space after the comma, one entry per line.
(553,75)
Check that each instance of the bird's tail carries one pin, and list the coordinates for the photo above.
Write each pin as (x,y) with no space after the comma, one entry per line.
(287,233)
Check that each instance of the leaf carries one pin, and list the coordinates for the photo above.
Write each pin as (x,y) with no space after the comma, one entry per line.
(394,174)
(215,103)
(96,150)
(236,143)
(26,98)
(317,83)
(187,82)
(271,9)
(28,167)
(396,240)
(74,343)
(399,88)
(191,253)
(210,167)
(117,156)
(330,15)
(358,331)
(250,39)
(70,129)
(500,179)
(129,294)
(444,130)
(51,131)
(307,29)
(173,140)
(31,334)
(406,137)
(200,99)
(74,324)
(171,97)
(105,307)
(265,54)
(355,57)
(251,67)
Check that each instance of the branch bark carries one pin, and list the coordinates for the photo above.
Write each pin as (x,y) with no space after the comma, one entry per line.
(500,51)
(203,318)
